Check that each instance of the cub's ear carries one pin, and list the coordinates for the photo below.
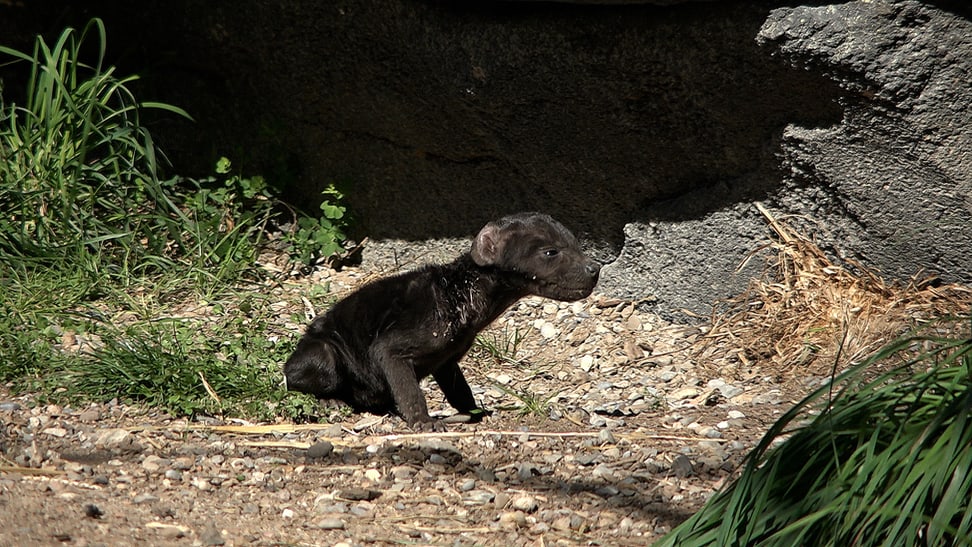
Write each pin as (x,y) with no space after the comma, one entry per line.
(486,247)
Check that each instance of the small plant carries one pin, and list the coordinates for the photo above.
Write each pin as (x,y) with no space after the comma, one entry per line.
(320,237)
(94,247)
(503,346)
(885,462)
(226,216)
(530,403)
(78,173)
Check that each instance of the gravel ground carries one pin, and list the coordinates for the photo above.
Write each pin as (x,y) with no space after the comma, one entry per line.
(608,428)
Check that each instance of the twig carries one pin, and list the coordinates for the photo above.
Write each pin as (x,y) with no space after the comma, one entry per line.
(43,471)
(209,389)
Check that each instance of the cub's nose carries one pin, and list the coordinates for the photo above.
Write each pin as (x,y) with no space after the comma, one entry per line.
(593,268)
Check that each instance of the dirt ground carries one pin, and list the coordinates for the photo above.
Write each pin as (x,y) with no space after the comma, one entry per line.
(608,427)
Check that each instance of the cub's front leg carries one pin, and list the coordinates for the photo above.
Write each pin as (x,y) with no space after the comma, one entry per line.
(406,392)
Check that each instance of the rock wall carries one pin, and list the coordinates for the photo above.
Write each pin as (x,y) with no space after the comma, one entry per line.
(648,129)
(892,182)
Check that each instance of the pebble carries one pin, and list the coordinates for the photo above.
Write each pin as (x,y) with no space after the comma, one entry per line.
(729,391)
(145,498)
(603,472)
(513,519)
(90,415)
(477,497)
(548,331)
(682,466)
(684,393)
(173,474)
(211,535)
(527,504)
(331,524)
(770,397)
(605,436)
(8,406)
(153,463)
(111,437)
(359,494)
(320,450)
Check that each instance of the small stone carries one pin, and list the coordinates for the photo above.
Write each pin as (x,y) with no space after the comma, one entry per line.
(402,472)
(477,497)
(211,535)
(93,511)
(585,458)
(503,378)
(586,363)
(10,406)
(90,415)
(605,436)
(359,494)
(682,466)
(513,519)
(173,474)
(607,491)
(526,471)
(735,415)
(770,397)
(603,472)
(153,463)
(111,437)
(287,513)
(56,432)
(666,375)
(373,475)
(548,331)
(145,498)
(467,485)
(202,484)
(168,530)
(729,391)
(182,464)
(320,450)
(684,393)
(527,504)
(331,523)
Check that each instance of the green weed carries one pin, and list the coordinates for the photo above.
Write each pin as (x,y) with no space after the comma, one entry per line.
(885,462)
(96,247)
(74,160)
(321,236)
(503,347)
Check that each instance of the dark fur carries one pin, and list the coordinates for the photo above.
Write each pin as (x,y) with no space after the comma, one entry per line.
(372,348)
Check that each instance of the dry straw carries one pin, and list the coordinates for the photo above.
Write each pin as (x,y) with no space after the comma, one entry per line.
(811,310)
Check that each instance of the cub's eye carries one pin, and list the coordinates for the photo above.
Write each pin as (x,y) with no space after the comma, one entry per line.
(551,252)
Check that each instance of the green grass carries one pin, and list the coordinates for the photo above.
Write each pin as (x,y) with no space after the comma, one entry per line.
(885,462)
(97,247)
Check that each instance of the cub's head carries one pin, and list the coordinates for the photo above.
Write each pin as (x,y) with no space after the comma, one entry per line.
(542,251)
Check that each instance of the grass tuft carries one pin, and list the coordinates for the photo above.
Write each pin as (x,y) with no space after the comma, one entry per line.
(102,260)
(885,462)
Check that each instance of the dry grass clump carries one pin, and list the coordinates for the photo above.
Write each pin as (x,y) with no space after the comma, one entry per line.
(812,311)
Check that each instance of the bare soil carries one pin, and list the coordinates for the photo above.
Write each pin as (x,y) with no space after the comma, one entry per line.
(608,427)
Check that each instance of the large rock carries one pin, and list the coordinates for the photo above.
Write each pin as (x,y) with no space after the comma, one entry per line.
(890,184)
(650,130)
